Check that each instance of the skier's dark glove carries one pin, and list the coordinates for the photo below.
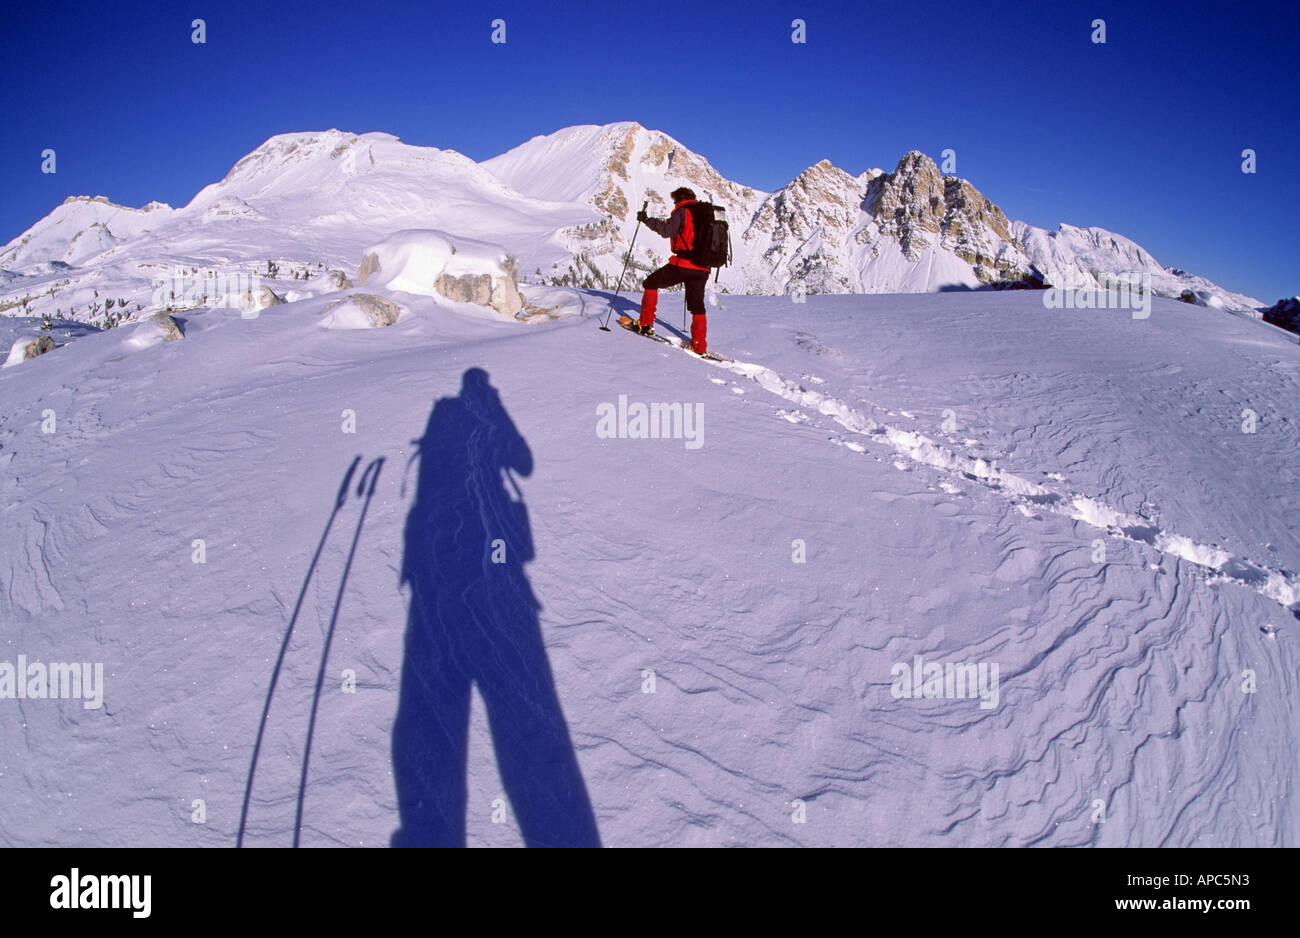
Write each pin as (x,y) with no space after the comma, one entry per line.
(642,217)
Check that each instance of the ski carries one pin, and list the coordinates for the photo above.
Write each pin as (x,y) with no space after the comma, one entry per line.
(707,356)
(627,322)
(684,346)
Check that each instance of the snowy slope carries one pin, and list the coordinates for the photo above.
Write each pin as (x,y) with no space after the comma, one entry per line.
(567,166)
(948,463)
(611,170)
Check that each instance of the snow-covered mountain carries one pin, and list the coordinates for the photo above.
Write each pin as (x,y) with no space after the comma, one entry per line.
(564,205)
(828,231)
(299,200)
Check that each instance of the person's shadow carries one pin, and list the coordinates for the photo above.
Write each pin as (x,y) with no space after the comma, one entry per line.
(474,621)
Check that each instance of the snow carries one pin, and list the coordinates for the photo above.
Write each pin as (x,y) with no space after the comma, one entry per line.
(144,335)
(556,167)
(658,567)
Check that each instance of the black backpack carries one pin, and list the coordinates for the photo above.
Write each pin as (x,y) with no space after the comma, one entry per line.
(712,247)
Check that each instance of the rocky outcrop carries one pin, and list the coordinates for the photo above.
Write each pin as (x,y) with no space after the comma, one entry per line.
(361,311)
(1285,313)
(805,232)
(38,346)
(907,204)
(921,208)
(369,267)
(268,297)
(262,298)
(27,348)
(379,311)
(171,329)
(499,293)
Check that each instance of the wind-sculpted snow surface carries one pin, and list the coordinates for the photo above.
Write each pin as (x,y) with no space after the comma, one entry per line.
(1278,585)
(943,569)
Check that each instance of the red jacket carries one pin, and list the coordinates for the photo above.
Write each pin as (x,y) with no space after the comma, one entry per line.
(679,229)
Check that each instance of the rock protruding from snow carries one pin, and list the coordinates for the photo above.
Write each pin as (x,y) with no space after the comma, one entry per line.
(1201,298)
(486,289)
(379,311)
(1285,313)
(171,329)
(369,267)
(26,349)
(268,297)
(427,262)
(361,311)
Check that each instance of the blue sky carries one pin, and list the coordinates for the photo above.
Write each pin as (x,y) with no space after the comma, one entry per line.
(1142,135)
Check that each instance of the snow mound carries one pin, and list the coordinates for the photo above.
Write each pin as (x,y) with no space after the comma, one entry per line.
(428,262)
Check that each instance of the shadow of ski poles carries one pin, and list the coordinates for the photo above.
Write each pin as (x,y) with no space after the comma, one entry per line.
(339,501)
(369,491)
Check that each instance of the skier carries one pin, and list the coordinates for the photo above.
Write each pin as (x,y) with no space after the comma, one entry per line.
(680,230)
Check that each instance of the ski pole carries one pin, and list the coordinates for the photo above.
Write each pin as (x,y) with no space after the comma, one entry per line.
(284,645)
(619,288)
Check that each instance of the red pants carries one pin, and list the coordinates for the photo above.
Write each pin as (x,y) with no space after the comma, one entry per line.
(669,276)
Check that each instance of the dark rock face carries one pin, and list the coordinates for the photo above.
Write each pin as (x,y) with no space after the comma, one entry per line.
(38,346)
(1285,313)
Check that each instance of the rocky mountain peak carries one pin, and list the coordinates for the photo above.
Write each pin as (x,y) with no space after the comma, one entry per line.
(920,207)
(909,202)
(649,163)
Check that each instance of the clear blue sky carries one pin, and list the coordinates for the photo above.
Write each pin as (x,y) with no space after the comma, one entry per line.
(1142,135)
